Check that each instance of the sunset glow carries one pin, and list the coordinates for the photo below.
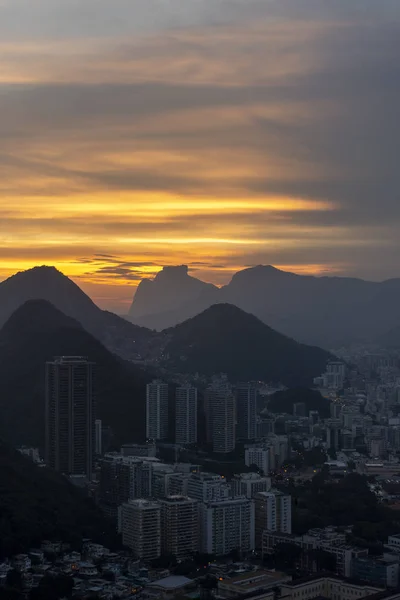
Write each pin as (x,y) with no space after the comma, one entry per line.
(221,139)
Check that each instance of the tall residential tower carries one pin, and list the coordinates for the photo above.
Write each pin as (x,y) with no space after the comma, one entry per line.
(70,415)
(246,407)
(157,410)
(186,415)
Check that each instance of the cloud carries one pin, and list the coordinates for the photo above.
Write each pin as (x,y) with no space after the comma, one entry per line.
(266,133)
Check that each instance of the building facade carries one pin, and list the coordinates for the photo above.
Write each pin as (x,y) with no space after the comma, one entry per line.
(157,410)
(179,526)
(140,525)
(70,415)
(223,421)
(259,456)
(186,415)
(273,512)
(207,487)
(250,484)
(227,525)
(246,410)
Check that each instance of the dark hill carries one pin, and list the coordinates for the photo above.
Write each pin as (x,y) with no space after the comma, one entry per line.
(47,283)
(165,298)
(390,339)
(37,332)
(38,504)
(225,339)
(283,401)
(328,311)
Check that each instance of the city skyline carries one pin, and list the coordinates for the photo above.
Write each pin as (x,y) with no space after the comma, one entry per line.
(218,135)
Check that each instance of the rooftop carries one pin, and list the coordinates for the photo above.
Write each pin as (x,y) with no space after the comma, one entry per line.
(255,579)
(172,582)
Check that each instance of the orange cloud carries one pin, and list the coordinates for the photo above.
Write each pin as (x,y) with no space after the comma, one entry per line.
(217,147)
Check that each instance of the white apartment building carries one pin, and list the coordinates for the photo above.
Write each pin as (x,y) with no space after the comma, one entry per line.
(227,525)
(156,410)
(273,512)
(186,415)
(207,487)
(140,524)
(329,587)
(249,484)
(259,456)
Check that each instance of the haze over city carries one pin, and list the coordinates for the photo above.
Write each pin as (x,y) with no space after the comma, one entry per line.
(224,134)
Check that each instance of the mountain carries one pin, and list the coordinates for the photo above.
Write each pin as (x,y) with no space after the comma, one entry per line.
(49,284)
(226,339)
(390,339)
(35,333)
(327,311)
(283,401)
(38,504)
(172,294)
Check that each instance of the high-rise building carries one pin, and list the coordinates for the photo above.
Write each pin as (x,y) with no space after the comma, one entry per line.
(223,410)
(157,410)
(273,511)
(140,525)
(70,415)
(219,385)
(124,478)
(259,456)
(206,487)
(98,437)
(227,525)
(186,415)
(146,450)
(250,484)
(179,526)
(246,410)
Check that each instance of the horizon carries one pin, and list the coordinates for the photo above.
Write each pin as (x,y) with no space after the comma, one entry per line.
(121,307)
(216,134)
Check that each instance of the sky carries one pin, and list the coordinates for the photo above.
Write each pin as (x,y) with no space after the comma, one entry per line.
(215,133)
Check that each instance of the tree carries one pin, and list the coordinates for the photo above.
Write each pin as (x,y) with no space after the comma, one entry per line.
(209,582)
(14,579)
(235,554)
(53,588)
(286,555)
(165,561)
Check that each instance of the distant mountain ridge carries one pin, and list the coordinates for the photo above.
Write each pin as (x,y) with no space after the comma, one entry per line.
(35,333)
(49,284)
(327,311)
(221,339)
(225,339)
(171,288)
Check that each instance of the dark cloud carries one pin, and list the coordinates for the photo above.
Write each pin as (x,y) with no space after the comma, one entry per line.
(296,99)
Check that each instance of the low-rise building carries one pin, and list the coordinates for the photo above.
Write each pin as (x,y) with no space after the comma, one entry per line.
(251,583)
(249,484)
(376,570)
(171,586)
(327,587)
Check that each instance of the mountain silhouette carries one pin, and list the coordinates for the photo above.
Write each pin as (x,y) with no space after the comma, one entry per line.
(35,333)
(226,339)
(37,504)
(170,290)
(327,311)
(47,283)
